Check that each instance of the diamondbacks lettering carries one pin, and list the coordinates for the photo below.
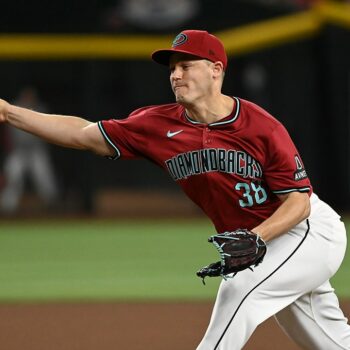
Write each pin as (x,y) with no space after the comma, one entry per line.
(212,159)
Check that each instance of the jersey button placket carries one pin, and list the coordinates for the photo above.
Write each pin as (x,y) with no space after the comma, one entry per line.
(206,136)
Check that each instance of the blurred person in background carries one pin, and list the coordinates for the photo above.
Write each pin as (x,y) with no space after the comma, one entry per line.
(27,158)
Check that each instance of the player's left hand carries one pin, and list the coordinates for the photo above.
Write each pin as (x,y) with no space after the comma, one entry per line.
(239,250)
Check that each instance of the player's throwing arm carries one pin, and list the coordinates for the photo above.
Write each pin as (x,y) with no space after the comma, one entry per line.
(66,131)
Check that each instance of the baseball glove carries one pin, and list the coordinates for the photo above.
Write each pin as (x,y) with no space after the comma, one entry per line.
(239,250)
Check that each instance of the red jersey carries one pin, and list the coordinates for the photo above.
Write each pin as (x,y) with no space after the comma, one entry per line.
(232,169)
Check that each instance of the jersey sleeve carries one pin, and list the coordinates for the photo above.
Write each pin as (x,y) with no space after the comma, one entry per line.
(127,136)
(284,170)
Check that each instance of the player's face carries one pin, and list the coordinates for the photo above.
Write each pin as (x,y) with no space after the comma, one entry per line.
(190,78)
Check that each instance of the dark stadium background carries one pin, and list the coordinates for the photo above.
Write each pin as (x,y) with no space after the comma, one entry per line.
(304,83)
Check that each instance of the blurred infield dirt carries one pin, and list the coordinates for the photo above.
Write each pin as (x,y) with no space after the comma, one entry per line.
(133,326)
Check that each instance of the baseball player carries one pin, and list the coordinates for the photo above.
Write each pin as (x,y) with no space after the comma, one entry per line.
(238,164)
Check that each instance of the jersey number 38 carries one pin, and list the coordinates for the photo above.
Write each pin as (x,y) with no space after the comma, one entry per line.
(252,193)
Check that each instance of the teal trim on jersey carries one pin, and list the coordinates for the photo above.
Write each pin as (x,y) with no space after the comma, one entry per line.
(118,154)
(233,119)
(301,189)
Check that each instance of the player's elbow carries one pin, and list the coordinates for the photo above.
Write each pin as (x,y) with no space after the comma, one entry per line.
(301,203)
(306,206)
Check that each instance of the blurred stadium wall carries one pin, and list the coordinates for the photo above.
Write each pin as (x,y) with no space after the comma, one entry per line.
(292,58)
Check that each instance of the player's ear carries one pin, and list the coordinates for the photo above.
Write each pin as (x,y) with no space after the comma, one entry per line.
(218,69)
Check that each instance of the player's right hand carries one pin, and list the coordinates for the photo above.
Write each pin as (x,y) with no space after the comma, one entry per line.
(4,107)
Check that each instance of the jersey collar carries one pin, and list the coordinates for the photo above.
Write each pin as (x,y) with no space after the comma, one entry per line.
(227,120)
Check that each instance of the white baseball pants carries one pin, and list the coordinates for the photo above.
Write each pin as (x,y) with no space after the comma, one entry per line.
(292,283)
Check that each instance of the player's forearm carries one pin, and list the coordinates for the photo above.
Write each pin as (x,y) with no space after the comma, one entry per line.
(294,209)
(57,129)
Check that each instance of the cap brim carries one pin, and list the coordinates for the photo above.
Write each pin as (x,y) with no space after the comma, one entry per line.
(163,56)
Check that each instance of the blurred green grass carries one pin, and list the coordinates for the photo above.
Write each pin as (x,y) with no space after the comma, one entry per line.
(111,260)
(92,260)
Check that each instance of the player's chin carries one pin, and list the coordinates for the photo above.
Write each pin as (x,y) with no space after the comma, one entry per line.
(181,99)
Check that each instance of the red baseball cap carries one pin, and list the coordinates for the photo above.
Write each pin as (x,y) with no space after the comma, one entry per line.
(194,42)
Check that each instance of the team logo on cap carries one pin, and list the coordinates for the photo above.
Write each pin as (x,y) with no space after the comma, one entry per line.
(179,39)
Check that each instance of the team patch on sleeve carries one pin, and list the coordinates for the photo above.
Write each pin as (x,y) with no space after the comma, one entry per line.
(300,172)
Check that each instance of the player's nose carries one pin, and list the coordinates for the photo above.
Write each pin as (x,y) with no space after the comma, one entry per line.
(176,73)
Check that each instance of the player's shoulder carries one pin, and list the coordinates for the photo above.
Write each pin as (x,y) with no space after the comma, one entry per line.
(258,114)
(156,110)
